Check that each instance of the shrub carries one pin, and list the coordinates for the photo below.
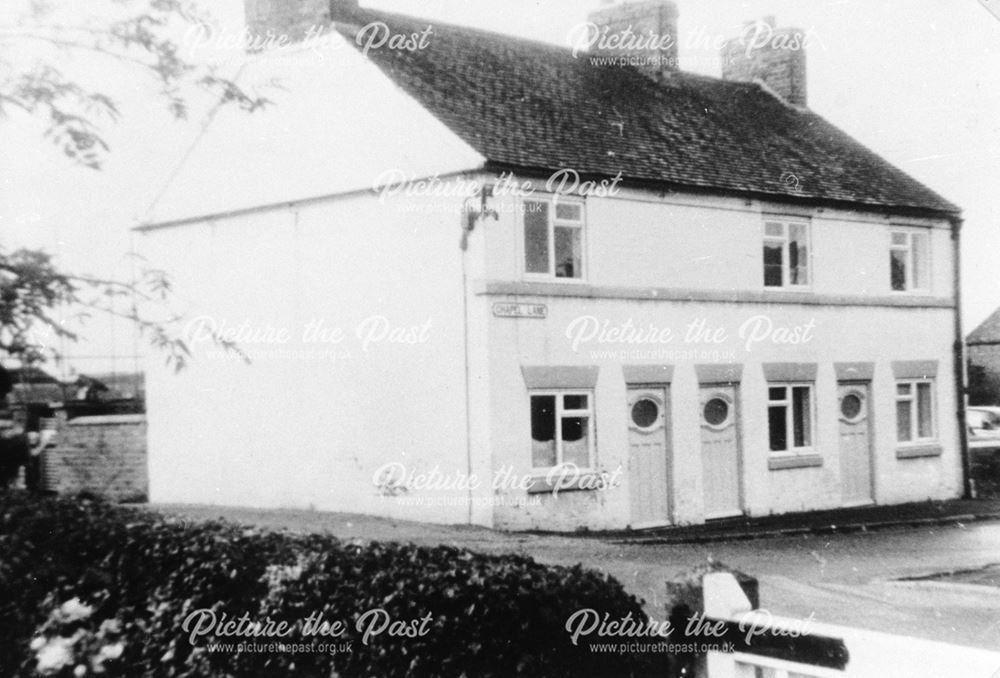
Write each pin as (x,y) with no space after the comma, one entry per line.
(89,588)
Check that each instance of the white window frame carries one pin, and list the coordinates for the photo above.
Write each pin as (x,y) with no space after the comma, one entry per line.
(911,286)
(791,450)
(561,412)
(911,398)
(786,261)
(552,222)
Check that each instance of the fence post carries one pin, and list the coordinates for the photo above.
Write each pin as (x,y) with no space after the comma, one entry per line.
(723,599)
(710,591)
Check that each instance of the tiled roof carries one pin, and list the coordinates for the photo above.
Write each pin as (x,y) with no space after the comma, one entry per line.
(988,331)
(525,104)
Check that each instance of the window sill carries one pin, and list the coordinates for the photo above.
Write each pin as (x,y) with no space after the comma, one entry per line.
(918,451)
(546,278)
(800,289)
(791,461)
(583,481)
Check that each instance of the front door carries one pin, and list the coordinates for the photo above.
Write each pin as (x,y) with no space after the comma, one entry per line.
(649,431)
(720,451)
(855,444)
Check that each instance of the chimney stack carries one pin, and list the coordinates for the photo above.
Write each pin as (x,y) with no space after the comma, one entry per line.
(774,56)
(644,33)
(294,18)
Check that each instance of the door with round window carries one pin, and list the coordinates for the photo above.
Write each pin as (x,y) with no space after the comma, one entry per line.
(855,445)
(852,406)
(649,440)
(646,412)
(717,412)
(720,451)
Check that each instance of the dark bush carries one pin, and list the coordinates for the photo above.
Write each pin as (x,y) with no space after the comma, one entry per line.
(985,471)
(110,588)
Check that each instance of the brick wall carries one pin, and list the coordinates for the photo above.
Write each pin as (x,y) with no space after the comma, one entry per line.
(647,21)
(286,17)
(782,68)
(104,455)
(294,18)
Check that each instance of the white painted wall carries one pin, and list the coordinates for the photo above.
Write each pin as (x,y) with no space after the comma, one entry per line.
(857,334)
(335,123)
(681,246)
(638,239)
(310,429)
(308,423)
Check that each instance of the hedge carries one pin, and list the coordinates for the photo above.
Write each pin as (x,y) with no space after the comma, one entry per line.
(88,588)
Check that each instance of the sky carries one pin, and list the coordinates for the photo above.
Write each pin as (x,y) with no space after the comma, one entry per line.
(917,81)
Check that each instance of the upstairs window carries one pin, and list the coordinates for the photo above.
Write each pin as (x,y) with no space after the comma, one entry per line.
(790,417)
(786,254)
(909,261)
(553,238)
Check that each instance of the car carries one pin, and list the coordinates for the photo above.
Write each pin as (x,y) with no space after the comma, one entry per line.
(983,423)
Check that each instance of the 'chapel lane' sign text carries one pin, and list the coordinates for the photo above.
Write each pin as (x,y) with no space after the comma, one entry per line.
(511,310)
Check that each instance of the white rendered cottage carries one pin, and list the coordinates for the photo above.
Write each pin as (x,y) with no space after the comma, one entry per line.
(483,279)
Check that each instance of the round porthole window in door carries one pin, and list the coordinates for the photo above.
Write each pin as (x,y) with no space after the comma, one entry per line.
(645,413)
(716,412)
(852,407)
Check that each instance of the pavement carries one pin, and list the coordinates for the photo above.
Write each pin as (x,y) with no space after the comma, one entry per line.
(834,521)
(869,572)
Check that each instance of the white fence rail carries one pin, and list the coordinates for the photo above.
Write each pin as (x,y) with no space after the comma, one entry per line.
(870,654)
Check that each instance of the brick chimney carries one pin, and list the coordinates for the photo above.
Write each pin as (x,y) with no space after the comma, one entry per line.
(294,18)
(773,56)
(645,31)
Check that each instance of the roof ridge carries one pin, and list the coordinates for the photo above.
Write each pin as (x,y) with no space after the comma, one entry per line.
(447,25)
(562,50)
